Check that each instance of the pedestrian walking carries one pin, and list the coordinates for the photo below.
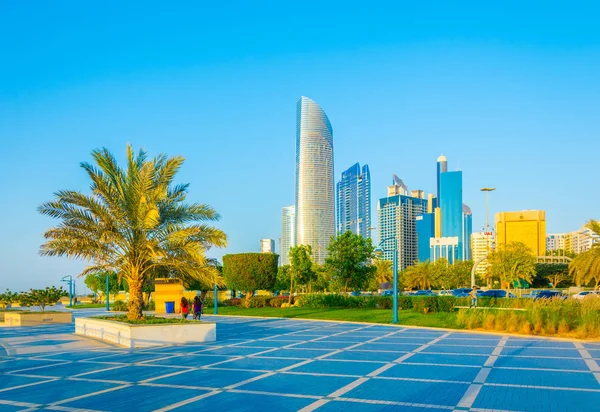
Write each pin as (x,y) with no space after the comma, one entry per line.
(197,308)
(473,296)
(185,307)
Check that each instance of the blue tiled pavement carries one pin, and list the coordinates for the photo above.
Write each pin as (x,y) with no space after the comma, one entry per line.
(290,365)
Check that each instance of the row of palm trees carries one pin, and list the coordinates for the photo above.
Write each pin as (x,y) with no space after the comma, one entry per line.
(585,267)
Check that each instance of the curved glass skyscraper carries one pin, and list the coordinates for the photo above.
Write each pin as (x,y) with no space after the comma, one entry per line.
(315,195)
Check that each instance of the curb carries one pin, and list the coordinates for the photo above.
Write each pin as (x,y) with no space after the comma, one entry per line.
(470,331)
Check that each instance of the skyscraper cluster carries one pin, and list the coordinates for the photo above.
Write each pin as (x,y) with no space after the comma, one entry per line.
(444,231)
(418,228)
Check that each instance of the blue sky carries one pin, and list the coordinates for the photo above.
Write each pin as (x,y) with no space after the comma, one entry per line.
(508,92)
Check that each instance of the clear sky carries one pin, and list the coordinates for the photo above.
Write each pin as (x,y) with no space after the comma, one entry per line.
(508,91)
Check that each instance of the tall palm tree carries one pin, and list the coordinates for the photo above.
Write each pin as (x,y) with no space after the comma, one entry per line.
(383,271)
(134,222)
(585,267)
(594,226)
(418,275)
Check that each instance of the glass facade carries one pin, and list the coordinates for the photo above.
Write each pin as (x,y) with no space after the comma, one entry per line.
(397,219)
(442,167)
(425,231)
(288,232)
(354,201)
(467,232)
(451,206)
(315,195)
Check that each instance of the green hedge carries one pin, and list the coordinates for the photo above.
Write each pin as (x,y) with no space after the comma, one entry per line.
(352,302)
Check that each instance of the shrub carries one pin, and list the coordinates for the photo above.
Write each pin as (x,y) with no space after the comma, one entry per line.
(231,302)
(445,303)
(490,321)
(119,306)
(250,271)
(260,301)
(150,306)
(425,304)
(404,302)
(276,302)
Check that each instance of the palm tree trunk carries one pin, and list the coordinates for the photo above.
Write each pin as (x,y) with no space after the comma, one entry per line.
(136,298)
(291,289)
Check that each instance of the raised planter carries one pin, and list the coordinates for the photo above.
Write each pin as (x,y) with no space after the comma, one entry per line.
(143,336)
(36,318)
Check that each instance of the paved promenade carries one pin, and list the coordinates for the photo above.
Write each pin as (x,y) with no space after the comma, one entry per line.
(289,365)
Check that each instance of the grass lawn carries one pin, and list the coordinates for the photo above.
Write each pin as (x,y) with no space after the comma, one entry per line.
(409,318)
(88,306)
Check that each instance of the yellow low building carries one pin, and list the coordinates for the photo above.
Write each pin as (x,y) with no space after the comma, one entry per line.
(526,226)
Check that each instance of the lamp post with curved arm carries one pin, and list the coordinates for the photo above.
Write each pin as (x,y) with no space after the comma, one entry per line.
(395,269)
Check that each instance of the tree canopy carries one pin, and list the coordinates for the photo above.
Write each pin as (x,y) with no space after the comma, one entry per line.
(250,271)
(348,259)
(512,263)
(135,222)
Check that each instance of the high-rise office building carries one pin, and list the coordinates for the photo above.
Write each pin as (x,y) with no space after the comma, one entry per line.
(467,219)
(288,232)
(315,194)
(267,246)
(442,167)
(354,201)
(397,220)
(555,241)
(425,225)
(578,241)
(482,243)
(526,226)
(451,206)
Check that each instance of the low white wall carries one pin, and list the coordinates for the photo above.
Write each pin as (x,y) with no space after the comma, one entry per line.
(142,336)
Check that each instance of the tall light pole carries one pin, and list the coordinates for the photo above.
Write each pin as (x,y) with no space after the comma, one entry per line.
(69,279)
(107,303)
(395,270)
(487,191)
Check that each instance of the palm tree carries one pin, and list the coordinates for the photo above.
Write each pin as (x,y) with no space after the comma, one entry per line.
(383,271)
(134,222)
(418,275)
(594,226)
(585,267)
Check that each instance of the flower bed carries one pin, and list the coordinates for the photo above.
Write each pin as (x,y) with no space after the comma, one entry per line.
(151,331)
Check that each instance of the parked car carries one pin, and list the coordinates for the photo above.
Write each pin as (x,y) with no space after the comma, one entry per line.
(355,293)
(549,294)
(582,295)
(531,295)
(496,293)
(445,292)
(462,292)
(425,293)
(387,292)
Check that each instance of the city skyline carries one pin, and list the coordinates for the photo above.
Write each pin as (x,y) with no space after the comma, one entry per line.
(503,90)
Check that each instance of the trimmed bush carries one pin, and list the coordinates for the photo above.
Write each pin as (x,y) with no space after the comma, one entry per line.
(231,302)
(276,302)
(119,306)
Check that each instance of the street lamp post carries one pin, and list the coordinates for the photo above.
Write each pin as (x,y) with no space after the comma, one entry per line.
(487,191)
(395,270)
(69,279)
(215,300)
(107,303)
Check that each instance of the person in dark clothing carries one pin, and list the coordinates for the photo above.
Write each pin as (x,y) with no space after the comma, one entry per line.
(197,308)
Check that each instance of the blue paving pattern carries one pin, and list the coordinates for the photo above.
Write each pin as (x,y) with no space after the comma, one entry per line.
(291,365)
